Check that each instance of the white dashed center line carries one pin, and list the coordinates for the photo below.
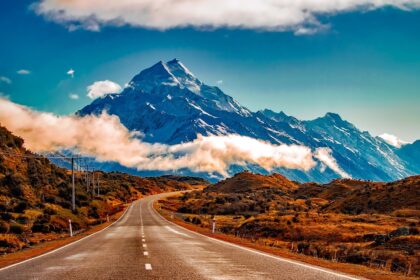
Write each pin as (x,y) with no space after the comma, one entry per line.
(148,266)
(144,245)
(143,240)
(146,253)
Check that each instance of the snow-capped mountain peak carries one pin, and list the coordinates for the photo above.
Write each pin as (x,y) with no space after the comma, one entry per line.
(169,104)
(171,73)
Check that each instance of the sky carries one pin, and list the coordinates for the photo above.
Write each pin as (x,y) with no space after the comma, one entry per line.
(353,58)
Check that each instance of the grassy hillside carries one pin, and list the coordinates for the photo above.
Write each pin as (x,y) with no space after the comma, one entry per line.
(351,221)
(35,195)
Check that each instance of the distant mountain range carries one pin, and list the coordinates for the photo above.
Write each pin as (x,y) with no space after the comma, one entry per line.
(170,105)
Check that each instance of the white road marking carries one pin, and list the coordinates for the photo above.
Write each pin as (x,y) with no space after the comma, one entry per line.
(144,245)
(143,240)
(148,266)
(175,231)
(146,253)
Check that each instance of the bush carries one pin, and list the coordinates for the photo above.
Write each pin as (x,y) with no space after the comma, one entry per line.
(196,221)
(21,207)
(17,190)
(17,229)
(4,227)
(22,219)
(39,227)
(50,211)
(6,216)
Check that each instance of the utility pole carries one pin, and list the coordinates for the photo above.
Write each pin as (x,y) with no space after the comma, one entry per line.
(93,183)
(87,178)
(97,181)
(73,189)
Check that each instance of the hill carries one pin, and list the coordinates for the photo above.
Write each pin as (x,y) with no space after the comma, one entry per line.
(247,182)
(376,224)
(35,195)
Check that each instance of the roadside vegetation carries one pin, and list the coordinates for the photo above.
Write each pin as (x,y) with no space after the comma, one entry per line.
(35,196)
(345,221)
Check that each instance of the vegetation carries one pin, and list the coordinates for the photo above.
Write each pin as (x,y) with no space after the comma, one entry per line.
(35,196)
(349,221)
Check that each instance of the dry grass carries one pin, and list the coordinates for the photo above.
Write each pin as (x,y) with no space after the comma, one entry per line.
(281,250)
(51,242)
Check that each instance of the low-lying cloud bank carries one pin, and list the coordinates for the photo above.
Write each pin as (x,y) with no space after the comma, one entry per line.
(300,16)
(106,139)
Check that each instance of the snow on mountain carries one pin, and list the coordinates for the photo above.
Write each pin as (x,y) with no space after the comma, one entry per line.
(168,104)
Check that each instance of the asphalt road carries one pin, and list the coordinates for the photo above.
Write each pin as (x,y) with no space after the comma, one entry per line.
(143,245)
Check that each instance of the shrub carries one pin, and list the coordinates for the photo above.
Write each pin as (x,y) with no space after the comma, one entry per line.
(196,221)
(17,229)
(16,190)
(21,207)
(6,216)
(50,211)
(39,227)
(22,219)
(4,227)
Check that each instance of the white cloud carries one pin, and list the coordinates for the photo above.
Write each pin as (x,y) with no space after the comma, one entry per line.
(5,80)
(101,88)
(219,82)
(324,155)
(392,140)
(301,16)
(73,96)
(23,72)
(71,73)
(105,138)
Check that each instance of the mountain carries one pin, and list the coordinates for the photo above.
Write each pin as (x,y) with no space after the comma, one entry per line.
(168,104)
(410,153)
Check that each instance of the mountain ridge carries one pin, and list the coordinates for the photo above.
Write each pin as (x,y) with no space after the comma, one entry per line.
(169,105)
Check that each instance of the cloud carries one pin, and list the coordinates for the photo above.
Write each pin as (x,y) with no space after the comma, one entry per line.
(219,82)
(71,73)
(392,140)
(73,96)
(101,88)
(105,138)
(5,80)
(275,15)
(23,72)
(324,155)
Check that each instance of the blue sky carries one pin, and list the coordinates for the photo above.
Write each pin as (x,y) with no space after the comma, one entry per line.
(364,65)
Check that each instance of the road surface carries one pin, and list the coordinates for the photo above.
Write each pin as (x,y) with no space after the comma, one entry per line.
(143,245)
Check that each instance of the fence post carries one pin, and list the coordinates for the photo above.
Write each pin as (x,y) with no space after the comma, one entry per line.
(70,228)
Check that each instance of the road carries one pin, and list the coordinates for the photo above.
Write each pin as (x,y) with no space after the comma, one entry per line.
(143,245)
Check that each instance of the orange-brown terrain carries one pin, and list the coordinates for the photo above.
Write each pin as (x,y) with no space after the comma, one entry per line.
(35,196)
(345,221)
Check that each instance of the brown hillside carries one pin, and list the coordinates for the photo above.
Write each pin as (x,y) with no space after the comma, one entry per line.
(371,197)
(35,195)
(249,182)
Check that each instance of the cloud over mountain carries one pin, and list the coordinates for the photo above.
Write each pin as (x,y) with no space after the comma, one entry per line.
(392,140)
(101,88)
(105,138)
(299,16)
